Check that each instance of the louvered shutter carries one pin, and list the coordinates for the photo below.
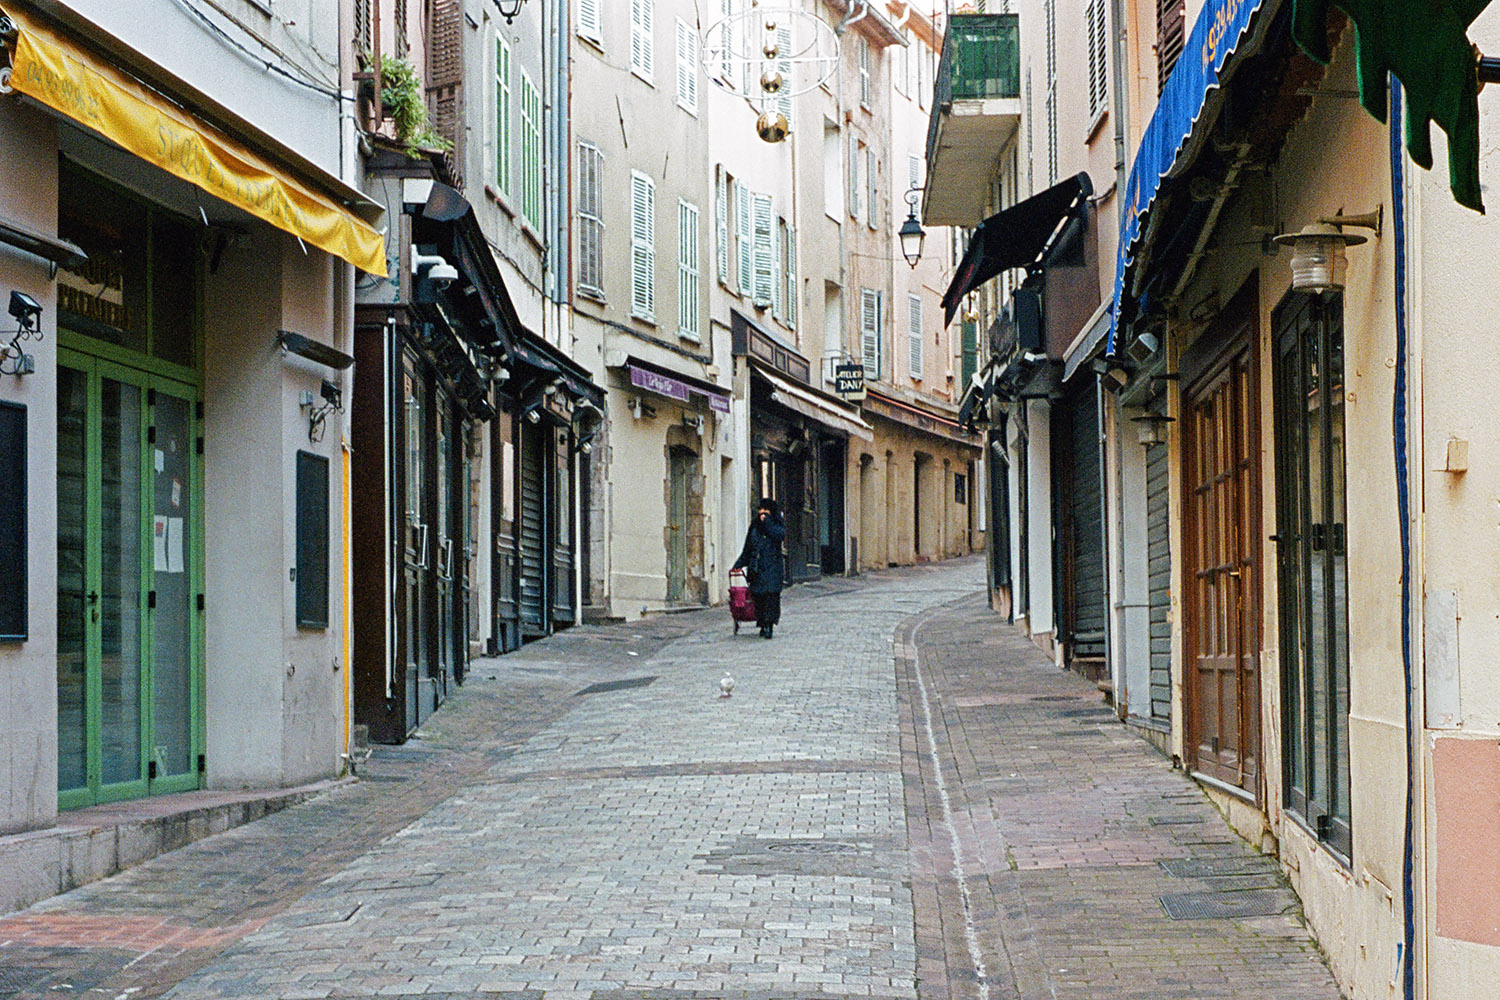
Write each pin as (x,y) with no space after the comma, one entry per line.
(913,171)
(502,117)
(864,72)
(764,250)
(687,67)
(721,224)
(1098,61)
(1171,24)
(589,25)
(726,40)
(687,271)
(642,54)
(784,67)
(778,275)
(872,181)
(914,331)
(531,152)
(745,240)
(642,246)
(869,331)
(445,79)
(590,220)
(791,278)
(853,176)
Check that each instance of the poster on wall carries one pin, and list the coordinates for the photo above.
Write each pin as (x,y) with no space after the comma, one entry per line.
(13,512)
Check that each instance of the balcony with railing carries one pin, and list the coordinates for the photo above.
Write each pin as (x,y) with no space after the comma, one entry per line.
(976,109)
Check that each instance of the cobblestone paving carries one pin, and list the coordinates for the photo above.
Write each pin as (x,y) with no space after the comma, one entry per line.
(652,840)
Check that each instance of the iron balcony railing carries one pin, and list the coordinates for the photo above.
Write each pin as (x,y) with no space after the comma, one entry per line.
(981,59)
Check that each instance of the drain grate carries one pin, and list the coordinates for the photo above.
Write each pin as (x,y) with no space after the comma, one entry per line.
(1174,820)
(629,682)
(1052,697)
(761,857)
(1206,867)
(812,847)
(1223,905)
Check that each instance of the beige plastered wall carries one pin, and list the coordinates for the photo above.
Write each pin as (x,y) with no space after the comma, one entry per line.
(28,670)
(1334,158)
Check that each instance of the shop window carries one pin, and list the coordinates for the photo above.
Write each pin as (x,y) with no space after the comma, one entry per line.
(139,288)
(1312,560)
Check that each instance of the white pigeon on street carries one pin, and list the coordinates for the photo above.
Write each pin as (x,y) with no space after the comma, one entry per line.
(726,685)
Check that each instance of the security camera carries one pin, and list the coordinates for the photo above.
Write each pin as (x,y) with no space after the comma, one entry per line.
(25,309)
(771,126)
(439,271)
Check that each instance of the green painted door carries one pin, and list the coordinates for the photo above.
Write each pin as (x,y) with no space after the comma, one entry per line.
(129,677)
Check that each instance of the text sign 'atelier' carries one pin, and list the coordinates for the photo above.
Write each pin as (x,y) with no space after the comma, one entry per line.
(849,381)
(662,385)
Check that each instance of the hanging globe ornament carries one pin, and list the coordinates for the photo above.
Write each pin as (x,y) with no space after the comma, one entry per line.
(803,46)
(771,81)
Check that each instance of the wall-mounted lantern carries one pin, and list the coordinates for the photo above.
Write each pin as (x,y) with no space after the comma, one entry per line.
(1153,428)
(1318,260)
(911,233)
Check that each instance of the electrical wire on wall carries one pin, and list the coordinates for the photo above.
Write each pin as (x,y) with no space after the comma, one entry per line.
(1407,957)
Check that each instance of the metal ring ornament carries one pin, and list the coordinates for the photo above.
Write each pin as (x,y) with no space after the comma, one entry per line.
(748,40)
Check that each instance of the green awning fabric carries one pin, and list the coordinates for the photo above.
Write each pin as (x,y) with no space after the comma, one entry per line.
(1426,47)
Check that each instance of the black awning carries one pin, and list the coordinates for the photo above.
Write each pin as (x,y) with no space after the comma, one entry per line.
(1015,237)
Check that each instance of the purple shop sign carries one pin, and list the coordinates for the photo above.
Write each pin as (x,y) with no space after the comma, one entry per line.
(664,385)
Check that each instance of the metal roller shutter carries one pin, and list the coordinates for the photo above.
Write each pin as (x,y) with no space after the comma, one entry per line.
(1159,581)
(533,590)
(1087,501)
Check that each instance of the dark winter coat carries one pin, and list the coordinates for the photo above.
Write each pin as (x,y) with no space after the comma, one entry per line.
(761,559)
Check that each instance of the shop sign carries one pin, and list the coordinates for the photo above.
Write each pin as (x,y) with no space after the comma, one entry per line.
(671,388)
(849,381)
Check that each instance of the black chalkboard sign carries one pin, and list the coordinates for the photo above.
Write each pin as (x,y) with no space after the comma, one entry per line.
(13,514)
(312,540)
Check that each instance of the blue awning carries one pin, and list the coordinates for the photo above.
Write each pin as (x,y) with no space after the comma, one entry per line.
(1219,31)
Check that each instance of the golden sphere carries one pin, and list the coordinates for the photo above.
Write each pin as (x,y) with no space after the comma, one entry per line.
(771,81)
(771,126)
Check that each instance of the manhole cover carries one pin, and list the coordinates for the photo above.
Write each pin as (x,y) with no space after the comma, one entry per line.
(1205,867)
(1221,905)
(812,847)
(629,682)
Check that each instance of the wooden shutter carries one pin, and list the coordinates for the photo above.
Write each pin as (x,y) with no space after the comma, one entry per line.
(531,152)
(688,304)
(914,332)
(502,117)
(745,240)
(854,188)
(721,224)
(791,277)
(687,67)
(445,79)
(778,265)
(590,220)
(784,67)
(642,53)
(1171,23)
(869,331)
(642,246)
(872,183)
(764,250)
(864,72)
(588,21)
(913,171)
(1098,56)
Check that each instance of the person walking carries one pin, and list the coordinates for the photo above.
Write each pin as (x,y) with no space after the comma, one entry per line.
(764,566)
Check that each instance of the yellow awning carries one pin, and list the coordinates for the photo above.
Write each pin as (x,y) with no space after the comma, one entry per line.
(52,70)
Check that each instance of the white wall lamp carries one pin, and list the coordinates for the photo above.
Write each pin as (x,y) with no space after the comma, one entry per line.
(1318,260)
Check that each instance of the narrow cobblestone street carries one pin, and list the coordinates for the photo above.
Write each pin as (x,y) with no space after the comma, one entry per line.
(901,798)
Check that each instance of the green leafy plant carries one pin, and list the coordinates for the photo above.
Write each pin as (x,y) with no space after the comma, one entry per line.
(402,100)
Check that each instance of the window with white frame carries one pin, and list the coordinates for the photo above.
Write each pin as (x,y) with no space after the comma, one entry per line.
(687,67)
(590,220)
(589,24)
(642,246)
(869,331)
(1098,58)
(642,42)
(833,173)
(531,152)
(914,335)
(765,250)
(688,297)
(501,128)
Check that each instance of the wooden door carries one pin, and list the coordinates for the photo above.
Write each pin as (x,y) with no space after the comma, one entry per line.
(1221,448)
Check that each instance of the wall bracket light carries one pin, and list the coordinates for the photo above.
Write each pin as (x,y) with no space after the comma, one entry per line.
(317,416)
(1318,260)
(911,234)
(27,312)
